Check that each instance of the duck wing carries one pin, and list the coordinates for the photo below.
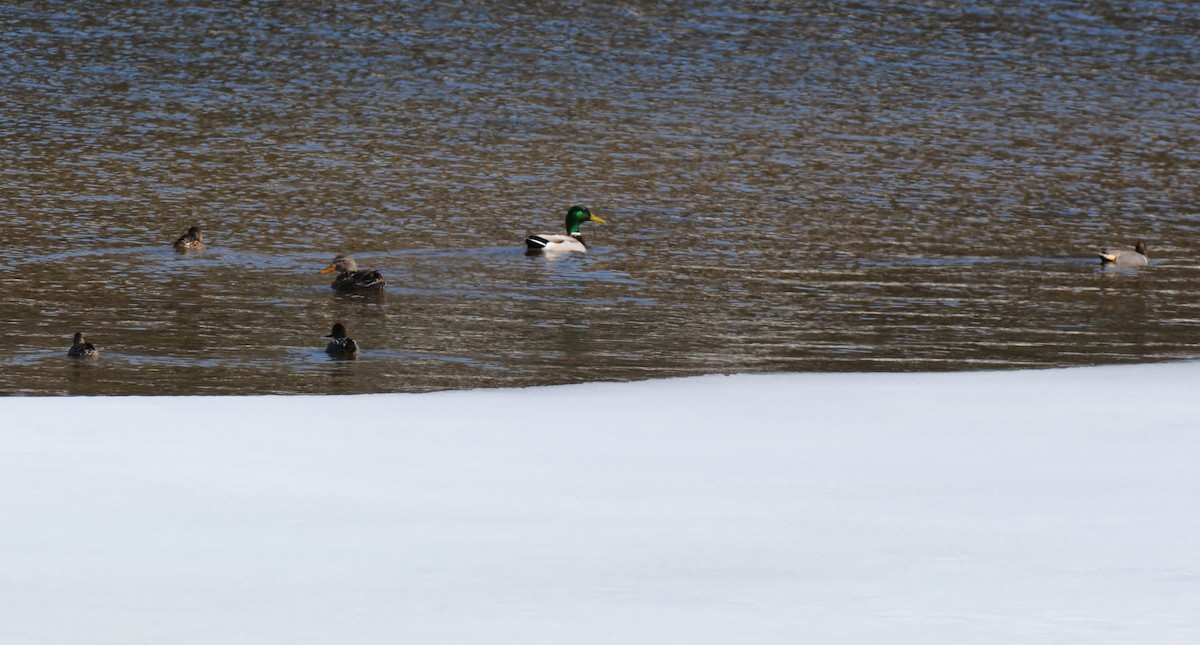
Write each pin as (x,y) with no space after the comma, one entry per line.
(359,280)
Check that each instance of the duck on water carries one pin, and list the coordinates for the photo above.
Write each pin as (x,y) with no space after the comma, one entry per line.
(82,349)
(341,345)
(1125,257)
(572,241)
(351,279)
(193,240)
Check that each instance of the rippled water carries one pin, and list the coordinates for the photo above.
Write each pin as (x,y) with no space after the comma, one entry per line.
(788,186)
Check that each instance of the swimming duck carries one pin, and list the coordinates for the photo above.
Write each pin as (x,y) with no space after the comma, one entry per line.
(349,278)
(342,345)
(1125,257)
(80,349)
(190,241)
(572,241)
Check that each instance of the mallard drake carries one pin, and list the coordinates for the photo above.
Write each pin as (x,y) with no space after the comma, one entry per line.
(572,241)
(81,349)
(1125,257)
(342,345)
(349,278)
(193,240)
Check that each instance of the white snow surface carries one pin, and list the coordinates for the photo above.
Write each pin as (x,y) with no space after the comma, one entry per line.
(1055,506)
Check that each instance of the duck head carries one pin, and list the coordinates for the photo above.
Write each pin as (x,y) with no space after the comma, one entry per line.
(578,215)
(339,331)
(341,264)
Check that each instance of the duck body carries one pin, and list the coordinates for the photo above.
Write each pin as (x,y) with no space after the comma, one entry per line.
(193,240)
(82,349)
(359,281)
(553,243)
(572,241)
(1125,257)
(342,348)
(351,279)
(341,345)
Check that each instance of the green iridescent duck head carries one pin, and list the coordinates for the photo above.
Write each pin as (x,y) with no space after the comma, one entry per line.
(578,215)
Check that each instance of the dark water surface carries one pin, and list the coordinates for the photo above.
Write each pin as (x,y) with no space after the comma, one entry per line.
(789,186)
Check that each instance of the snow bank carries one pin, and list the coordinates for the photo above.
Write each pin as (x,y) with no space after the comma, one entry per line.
(1041,506)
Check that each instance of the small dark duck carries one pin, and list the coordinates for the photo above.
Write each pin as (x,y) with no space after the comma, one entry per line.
(81,349)
(1125,257)
(572,241)
(349,278)
(193,240)
(341,345)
